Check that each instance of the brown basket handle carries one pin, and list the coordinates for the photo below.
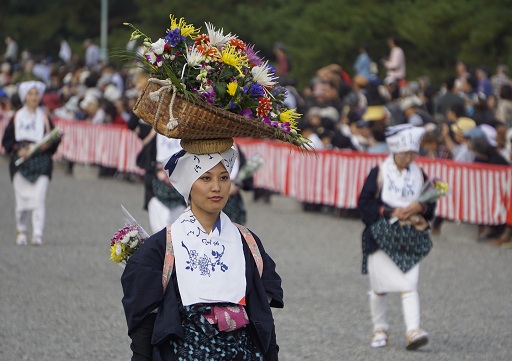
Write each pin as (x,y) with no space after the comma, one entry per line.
(156,96)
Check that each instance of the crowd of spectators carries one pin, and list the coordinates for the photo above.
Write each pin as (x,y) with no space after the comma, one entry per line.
(468,118)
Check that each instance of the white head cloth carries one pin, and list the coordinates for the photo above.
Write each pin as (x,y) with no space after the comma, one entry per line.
(404,138)
(185,168)
(26,86)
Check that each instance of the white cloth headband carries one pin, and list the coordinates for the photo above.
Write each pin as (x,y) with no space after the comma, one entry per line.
(185,168)
(26,86)
(404,138)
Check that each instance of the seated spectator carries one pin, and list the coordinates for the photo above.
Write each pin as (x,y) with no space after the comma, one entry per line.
(459,145)
(410,106)
(94,112)
(504,107)
(433,145)
(379,144)
(483,143)
(482,114)
(309,132)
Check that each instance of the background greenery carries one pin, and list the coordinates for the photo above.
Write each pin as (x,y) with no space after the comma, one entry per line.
(435,33)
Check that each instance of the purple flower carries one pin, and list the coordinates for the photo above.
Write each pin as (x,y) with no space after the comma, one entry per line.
(252,56)
(274,123)
(246,112)
(255,90)
(174,37)
(232,105)
(266,120)
(285,127)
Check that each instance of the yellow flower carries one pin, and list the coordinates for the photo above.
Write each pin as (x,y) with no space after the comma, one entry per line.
(113,254)
(290,116)
(442,187)
(232,87)
(231,56)
(185,29)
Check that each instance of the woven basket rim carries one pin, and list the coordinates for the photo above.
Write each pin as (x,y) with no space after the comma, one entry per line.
(266,131)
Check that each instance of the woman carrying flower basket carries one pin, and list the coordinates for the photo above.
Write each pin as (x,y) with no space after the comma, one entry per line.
(31,139)
(200,289)
(396,203)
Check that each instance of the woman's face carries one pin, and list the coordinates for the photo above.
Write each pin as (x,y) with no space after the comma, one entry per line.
(403,159)
(210,192)
(32,99)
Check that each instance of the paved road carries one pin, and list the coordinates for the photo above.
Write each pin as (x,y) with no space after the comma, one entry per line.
(61,301)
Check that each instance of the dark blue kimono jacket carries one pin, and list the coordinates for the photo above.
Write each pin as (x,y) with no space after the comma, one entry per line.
(143,293)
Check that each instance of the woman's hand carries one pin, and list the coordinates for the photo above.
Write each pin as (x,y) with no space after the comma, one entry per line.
(405,213)
(23,152)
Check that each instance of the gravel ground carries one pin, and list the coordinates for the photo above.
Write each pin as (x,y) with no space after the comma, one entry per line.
(62,301)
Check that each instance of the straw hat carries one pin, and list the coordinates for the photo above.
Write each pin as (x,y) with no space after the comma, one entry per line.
(463,124)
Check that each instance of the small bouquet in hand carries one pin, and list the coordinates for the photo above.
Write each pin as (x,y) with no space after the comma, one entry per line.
(433,190)
(50,138)
(127,240)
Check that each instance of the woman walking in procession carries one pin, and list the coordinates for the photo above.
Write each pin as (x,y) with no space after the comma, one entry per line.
(30,170)
(218,281)
(396,236)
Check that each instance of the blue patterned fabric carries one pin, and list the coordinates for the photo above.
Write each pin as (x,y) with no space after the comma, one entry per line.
(405,245)
(204,341)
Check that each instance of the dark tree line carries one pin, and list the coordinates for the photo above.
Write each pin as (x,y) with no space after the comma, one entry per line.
(435,33)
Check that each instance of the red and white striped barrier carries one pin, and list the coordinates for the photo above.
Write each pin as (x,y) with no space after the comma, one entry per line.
(109,145)
(479,194)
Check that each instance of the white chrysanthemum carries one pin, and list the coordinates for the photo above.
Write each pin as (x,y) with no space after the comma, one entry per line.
(262,75)
(134,243)
(133,233)
(217,38)
(119,250)
(158,47)
(194,57)
(125,239)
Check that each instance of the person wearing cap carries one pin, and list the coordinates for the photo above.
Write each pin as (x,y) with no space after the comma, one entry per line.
(483,143)
(30,178)
(203,287)
(459,144)
(389,208)
(485,146)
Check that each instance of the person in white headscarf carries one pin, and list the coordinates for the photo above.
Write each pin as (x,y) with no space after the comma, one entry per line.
(390,210)
(202,288)
(32,177)
(166,204)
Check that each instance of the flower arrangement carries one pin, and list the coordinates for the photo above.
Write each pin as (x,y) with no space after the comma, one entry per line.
(221,70)
(125,242)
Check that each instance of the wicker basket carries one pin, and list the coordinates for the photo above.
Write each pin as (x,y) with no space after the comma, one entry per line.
(196,120)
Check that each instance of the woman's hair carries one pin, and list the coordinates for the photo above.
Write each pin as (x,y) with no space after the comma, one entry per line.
(506,92)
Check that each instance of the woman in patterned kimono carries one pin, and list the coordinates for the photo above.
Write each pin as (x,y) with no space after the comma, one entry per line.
(31,178)
(396,236)
(202,288)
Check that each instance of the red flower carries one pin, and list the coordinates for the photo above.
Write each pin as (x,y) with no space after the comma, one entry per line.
(238,44)
(264,106)
(203,38)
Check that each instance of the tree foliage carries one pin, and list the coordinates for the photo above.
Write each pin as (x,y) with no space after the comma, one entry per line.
(435,33)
